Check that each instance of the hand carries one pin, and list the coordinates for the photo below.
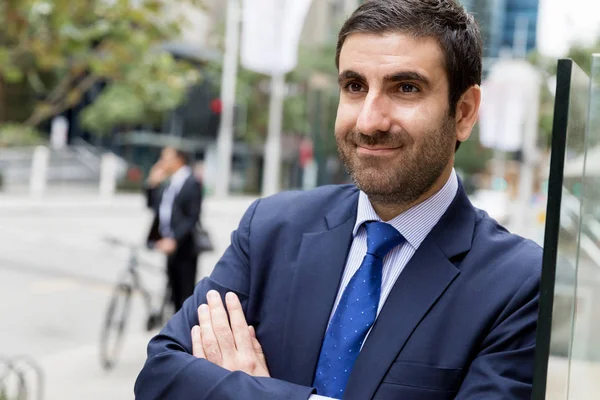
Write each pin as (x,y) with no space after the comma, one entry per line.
(234,347)
(166,245)
(156,175)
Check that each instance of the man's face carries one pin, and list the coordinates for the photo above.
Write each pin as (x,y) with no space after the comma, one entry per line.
(393,128)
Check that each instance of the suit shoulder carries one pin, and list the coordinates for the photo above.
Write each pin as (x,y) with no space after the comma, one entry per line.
(191,180)
(310,198)
(504,249)
(304,206)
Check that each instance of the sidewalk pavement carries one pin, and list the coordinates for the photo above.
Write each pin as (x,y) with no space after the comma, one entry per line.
(76,374)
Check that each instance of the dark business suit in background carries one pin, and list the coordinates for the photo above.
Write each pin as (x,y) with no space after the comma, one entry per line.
(459,322)
(185,213)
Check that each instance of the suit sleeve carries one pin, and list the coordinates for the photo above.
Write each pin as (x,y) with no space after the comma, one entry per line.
(172,372)
(503,370)
(191,211)
(152,197)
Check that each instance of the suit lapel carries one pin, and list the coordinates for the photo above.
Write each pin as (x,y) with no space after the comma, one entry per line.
(424,279)
(318,271)
(182,190)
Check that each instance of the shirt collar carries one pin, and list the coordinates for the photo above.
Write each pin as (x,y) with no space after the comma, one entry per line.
(416,222)
(180,176)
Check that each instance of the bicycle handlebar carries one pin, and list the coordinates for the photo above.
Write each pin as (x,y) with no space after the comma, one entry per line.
(135,248)
(123,243)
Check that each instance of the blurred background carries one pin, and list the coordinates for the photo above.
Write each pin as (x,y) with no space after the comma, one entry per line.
(90,92)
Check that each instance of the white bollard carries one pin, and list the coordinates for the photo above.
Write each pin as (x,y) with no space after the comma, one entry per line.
(310,175)
(108,175)
(39,171)
(59,132)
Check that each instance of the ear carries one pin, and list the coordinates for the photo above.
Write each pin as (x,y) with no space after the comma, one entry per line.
(467,111)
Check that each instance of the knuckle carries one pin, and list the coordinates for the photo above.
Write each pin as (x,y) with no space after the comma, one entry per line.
(213,355)
(210,344)
(222,331)
(247,364)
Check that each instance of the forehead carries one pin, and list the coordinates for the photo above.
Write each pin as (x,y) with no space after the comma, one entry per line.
(377,55)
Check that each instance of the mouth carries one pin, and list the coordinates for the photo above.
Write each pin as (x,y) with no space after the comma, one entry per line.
(377,151)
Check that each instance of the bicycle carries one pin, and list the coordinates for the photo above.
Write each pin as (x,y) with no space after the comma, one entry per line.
(21,378)
(117,313)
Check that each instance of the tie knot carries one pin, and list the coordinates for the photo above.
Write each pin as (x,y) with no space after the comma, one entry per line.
(381,238)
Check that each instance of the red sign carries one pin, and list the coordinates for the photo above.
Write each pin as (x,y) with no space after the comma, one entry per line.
(216,106)
(306,151)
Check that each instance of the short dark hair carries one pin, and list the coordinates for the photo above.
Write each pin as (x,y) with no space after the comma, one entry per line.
(445,20)
(183,156)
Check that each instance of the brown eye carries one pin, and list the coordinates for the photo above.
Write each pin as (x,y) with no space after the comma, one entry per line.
(354,87)
(408,88)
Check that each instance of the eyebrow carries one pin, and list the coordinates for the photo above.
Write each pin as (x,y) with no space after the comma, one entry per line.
(348,74)
(408,76)
(395,77)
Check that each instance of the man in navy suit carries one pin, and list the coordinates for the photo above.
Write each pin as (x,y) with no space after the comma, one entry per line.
(393,288)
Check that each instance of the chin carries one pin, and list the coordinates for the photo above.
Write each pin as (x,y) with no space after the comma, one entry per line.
(372,180)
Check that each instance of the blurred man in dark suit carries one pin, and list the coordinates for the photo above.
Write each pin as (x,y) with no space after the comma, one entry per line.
(176,203)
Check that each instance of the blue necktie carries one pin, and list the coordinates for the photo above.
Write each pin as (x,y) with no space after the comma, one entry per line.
(355,313)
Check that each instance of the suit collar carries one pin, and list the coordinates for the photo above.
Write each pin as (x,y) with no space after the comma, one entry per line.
(340,213)
(453,234)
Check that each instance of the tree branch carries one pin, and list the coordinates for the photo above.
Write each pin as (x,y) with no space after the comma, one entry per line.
(40,115)
(62,88)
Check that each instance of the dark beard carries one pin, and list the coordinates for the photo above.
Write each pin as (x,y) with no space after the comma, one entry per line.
(411,176)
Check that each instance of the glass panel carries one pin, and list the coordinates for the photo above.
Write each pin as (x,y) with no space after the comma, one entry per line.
(568,238)
(561,241)
(584,377)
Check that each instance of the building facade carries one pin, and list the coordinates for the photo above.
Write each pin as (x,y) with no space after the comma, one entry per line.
(508,26)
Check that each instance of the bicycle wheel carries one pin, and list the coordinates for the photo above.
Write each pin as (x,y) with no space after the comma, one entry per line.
(111,340)
(158,317)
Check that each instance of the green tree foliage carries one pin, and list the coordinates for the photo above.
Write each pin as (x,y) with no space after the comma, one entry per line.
(17,135)
(472,158)
(56,50)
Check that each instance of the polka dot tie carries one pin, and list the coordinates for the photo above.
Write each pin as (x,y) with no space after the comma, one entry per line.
(355,313)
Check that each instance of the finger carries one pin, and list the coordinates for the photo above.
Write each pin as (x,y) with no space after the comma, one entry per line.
(255,343)
(197,349)
(239,326)
(209,340)
(221,327)
(258,352)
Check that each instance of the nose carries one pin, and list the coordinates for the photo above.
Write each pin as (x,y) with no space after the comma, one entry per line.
(374,114)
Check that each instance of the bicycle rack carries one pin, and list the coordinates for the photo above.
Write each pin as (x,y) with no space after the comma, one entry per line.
(21,378)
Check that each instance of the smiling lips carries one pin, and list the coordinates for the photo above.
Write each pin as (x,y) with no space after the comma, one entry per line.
(376,151)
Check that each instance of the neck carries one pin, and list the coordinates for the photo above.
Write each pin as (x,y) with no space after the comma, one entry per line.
(389,211)
(177,169)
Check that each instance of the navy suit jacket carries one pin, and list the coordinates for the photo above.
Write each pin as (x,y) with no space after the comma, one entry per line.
(458,324)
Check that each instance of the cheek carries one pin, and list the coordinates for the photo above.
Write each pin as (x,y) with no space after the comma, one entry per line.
(417,122)
(345,120)
(412,121)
